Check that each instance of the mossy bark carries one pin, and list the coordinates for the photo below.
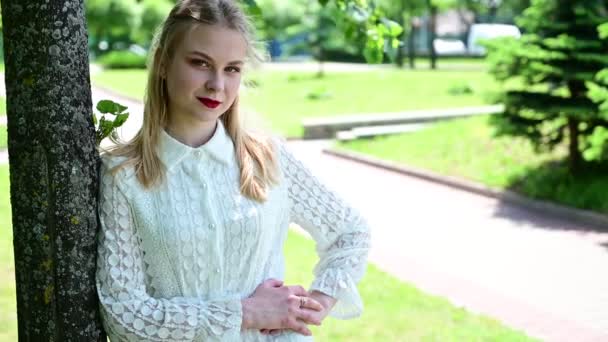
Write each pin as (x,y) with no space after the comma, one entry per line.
(53,169)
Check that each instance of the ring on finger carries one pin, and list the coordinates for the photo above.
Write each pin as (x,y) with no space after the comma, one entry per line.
(302,302)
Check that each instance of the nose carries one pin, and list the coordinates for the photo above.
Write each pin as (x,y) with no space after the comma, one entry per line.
(215,82)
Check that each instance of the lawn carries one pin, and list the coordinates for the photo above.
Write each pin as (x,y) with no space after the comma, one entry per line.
(8,316)
(468,149)
(394,311)
(2,106)
(3,137)
(283,99)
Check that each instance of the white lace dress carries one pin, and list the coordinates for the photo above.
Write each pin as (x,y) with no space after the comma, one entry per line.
(175,262)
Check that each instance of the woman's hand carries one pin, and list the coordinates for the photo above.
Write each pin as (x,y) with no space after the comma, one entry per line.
(326,301)
(276,307)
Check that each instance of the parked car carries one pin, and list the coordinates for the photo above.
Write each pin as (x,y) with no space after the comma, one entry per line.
(449,47)
(488,31)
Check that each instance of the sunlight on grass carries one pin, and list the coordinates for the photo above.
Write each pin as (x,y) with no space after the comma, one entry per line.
(468,149)
(8,302)
(2,106)
(3,137)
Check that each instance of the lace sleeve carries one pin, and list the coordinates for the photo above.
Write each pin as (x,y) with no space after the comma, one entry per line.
(129,312)
(341,235)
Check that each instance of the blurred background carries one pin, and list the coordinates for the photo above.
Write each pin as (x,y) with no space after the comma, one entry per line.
(505,101)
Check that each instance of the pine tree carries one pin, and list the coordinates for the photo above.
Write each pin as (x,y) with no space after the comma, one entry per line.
(598,92)
(547,74)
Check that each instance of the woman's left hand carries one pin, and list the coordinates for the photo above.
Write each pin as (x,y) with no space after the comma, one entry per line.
(326,301)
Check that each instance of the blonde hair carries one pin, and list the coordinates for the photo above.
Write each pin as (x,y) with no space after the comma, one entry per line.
(255,154)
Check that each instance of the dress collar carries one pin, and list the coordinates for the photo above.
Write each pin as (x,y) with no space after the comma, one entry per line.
(220,147)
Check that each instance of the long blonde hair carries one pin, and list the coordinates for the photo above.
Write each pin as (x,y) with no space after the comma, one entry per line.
(255,153)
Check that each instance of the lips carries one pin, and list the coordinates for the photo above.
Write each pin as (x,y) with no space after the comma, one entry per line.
(210,103)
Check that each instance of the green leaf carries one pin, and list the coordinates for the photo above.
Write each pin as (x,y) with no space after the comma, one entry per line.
(110,107)
(120,119)
(120,108)
(106,126)
(373,51)
(602,76)
(358,13)
(106,106)
(394,29)
(395,43)
(253,8)
(603,30)
(250,3)
(323,2)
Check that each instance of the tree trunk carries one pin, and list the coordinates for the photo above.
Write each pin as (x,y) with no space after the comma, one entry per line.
(432,28)
(577,89)
(402,36)
(53,169)
(399,57)
(573,147)
(412,46)
(492,10)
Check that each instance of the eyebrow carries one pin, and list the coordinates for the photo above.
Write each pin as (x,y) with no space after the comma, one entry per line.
(202,54)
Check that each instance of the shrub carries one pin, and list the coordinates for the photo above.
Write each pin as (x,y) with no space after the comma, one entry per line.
(122,60)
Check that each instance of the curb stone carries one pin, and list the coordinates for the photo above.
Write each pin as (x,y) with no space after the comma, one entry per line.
(582,216)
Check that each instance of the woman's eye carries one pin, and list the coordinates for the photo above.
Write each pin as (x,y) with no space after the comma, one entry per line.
(200,62)
(233,69)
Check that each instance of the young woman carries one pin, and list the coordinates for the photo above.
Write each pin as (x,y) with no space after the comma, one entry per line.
(195,209)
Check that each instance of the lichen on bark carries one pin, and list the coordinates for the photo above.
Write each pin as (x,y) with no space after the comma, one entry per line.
(53,169)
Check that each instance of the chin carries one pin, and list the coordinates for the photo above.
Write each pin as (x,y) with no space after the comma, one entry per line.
(206,117)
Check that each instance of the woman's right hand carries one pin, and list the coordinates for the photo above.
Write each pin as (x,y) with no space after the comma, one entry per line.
(276,307)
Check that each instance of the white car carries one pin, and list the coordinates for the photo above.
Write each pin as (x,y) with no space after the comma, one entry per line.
(488,31)
(449,47)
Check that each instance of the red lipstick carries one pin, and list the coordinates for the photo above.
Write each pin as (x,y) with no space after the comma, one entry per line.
(210,103)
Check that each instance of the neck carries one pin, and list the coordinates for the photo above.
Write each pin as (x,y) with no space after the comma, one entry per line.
(191,134)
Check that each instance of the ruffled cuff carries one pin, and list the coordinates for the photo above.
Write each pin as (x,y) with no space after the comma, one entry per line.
(223,321)
(341,286)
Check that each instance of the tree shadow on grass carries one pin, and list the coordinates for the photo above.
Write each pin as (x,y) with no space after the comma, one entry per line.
(553,182)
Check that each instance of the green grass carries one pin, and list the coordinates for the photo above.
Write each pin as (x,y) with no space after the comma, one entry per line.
(8,302)
(394,311)
(2,106)
(468,149)
(283,99)
(3,137)
(130,82)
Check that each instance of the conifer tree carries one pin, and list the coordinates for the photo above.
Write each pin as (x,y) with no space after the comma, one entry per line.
(547,74)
